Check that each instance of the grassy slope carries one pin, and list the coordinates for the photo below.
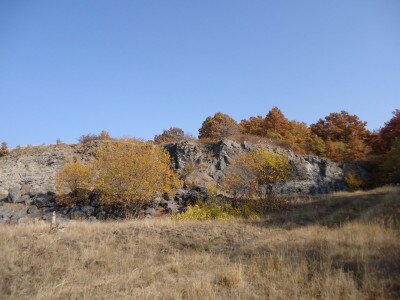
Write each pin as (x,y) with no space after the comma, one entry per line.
(341,246)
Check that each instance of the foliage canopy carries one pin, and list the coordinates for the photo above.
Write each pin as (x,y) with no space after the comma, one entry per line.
(124,172)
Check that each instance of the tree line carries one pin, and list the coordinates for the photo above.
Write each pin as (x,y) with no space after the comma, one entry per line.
(339,136)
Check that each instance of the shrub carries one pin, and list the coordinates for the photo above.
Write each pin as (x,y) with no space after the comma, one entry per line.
(316,145)
(73,183)
(171,135)
(129,172)
(354,181)
(125,172)
(104,135)
(4,149)
(219,126)
(213,211)
(251,174)
(206,211)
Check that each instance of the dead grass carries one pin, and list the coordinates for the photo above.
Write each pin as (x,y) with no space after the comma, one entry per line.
(340,247)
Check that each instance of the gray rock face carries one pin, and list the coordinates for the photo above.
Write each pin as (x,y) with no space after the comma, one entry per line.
(27,178)
(208,162)
(34,169)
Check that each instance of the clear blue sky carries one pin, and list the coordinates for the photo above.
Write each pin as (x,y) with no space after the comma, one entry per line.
(137,67)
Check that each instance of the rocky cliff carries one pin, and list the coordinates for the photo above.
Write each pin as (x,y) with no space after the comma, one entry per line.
(207,163)
(27,176)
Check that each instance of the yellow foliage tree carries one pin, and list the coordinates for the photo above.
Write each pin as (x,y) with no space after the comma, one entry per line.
(251,174)
(130,172)
(73,183)
(124,172)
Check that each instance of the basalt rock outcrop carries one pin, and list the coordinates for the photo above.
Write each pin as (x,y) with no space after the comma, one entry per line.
(27,178)
(205,163)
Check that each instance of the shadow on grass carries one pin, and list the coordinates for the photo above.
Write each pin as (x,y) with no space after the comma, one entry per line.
(336,210)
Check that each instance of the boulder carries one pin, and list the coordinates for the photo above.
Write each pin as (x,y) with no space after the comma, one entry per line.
(25,189)
(171,207)
(14,194)
(88,210)
(28,200)
(23,199)
(32,209)
(18,214)
(3,197)
(44,200)
(150,211)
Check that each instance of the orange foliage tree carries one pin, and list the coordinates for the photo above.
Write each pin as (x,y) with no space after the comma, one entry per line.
(340,127)
(219,126)
(346,136)
(254,126)
(384,139)
(170,136)
(276,121)
(294,134)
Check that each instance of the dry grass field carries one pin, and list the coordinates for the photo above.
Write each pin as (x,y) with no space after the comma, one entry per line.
(342,246)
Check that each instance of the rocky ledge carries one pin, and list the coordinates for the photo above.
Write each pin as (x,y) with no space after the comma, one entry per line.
(27,178)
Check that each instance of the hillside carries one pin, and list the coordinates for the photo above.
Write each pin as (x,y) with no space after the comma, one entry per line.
(327,247)
(27,177)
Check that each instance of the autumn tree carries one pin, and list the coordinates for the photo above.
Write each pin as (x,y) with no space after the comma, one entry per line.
(355,149)
(276,121)
(296,135)
(124,172)
(300,138)
(391,163)
(73,183)
(219,126)
(385,137)
(170,136)
(346,136)
(4,149)
(129,172)
(340,127)
(254,126)
(251,174)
